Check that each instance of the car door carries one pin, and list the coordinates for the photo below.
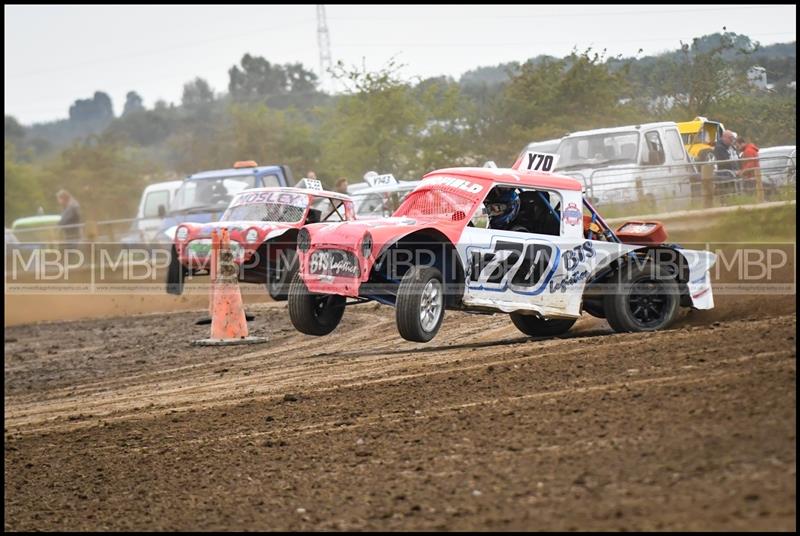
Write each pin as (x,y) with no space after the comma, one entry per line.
(152,214)
(511,270)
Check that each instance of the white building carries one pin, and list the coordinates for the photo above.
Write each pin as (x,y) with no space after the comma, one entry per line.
(757,76)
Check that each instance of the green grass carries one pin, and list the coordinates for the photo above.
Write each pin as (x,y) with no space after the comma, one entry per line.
(761,225)
(681,204)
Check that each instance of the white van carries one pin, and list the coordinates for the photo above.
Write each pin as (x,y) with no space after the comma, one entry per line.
(632,163)
(153,208)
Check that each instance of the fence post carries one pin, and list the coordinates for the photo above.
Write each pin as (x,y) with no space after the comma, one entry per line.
(90,229)
(707,179)
(759,186)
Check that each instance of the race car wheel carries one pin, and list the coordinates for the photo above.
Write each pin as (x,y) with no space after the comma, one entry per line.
(420,304)
(533,326)
(176,273)
(313,314)
(645,298)
(278,284)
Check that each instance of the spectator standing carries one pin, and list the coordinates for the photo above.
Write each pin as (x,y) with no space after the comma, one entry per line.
(724,151)
(341,186)
(748,153)
(71,215)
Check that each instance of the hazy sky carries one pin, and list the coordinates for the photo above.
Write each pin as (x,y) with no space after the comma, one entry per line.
(56,54)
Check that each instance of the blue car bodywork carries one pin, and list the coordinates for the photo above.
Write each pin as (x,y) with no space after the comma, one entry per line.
(219,185)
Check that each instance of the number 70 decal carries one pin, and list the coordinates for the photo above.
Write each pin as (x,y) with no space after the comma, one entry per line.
(524,267)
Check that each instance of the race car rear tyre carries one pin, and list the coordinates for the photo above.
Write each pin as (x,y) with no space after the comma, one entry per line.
(645,298)
(278,287)
(176,273)
(313,314)
(420,304)
(533,326)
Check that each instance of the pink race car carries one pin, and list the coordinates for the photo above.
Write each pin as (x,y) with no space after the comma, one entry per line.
(263,225)
(482,240)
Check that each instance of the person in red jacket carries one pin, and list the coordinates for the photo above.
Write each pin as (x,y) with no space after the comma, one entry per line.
(748,152)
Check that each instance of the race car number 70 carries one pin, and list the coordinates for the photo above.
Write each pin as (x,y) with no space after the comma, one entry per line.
(511,263)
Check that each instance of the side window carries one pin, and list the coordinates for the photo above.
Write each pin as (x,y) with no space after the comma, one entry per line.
(328,210)
(676,151)
(153,200)
(538,212)
(271,180)
(653,154)
(370,205)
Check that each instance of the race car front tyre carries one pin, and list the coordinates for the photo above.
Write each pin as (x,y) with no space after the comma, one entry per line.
(176,273)
(313,314)
(645,298)
(420,304)
(278,286)
(534,326)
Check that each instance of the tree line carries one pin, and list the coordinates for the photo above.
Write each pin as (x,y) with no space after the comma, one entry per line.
(383,121)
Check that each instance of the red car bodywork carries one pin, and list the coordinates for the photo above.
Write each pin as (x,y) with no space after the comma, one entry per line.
(265,231)
(440,207)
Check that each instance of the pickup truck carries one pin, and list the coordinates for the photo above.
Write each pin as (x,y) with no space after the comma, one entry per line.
(637,163)
(153,207)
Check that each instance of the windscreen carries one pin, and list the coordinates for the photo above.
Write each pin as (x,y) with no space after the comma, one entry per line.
(598,150)
(213,193)
(436,202)
(279,207)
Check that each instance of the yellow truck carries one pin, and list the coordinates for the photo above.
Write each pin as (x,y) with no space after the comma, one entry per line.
(699,136)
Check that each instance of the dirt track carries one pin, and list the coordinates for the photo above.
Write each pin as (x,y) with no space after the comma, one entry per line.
(120,424)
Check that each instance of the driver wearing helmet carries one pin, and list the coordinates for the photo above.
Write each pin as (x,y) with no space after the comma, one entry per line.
(502,206)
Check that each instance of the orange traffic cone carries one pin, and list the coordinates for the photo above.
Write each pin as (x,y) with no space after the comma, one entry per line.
(213,265)
(228,322)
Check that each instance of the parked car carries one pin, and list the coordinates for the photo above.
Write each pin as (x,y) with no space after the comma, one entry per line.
(381,201)
(646,162)
(10,237)
(778,167)
(428,257)
(39,230)
(379,194)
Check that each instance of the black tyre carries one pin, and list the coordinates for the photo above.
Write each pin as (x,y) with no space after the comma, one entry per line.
(176,273)
(645,298)
(420,304)
(594,308)
(534,326)
(313,314)
(279,280)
